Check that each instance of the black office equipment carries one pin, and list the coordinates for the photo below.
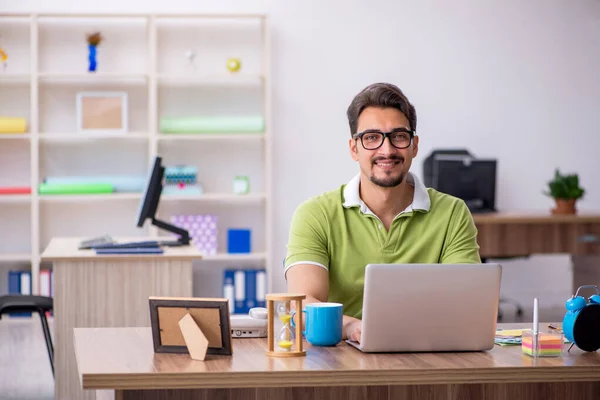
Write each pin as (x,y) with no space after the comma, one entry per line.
(458,173)
(31,303)
(149,204)
(147,210)
(428,163)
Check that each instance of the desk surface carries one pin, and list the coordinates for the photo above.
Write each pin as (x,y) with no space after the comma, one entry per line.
(123,358)
(66,249)
(535,218)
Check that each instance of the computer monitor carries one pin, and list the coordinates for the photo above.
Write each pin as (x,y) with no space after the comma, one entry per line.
(470,179)
(149,205)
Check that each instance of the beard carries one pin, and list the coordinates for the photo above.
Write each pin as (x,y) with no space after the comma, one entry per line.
(389,180)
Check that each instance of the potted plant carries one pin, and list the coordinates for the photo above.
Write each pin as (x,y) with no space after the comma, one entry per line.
(565,191)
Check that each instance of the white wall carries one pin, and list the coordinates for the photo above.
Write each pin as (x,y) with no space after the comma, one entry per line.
(509,79)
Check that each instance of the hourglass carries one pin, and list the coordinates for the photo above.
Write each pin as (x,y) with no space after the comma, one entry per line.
(287,342)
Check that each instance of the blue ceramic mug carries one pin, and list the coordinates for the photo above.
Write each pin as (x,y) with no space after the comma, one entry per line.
(323,323)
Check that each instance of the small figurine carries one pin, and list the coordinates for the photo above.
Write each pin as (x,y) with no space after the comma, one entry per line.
(234,64)
(93,40)
(3,58)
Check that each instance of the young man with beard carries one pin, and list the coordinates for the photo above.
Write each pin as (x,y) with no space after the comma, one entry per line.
(383,215)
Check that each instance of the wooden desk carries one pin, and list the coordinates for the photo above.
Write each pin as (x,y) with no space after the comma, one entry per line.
(123,359)
(107,291)
(518,235)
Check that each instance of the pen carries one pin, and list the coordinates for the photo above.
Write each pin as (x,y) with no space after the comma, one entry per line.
(535,316)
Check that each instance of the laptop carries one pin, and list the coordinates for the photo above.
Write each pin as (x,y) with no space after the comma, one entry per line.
(429,307)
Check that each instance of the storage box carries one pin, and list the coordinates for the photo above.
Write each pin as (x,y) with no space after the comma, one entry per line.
(238,241)
(203,231)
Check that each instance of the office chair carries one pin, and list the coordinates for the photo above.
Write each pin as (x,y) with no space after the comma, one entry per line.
(518,307)
(35,304)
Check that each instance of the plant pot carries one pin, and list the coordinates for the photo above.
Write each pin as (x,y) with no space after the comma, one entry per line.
(564,206)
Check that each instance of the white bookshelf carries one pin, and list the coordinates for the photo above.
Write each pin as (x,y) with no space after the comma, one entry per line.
(142,54)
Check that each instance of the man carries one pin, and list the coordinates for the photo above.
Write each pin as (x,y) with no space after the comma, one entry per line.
(383,215)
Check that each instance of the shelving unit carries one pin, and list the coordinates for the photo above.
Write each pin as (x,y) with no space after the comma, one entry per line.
(144,55)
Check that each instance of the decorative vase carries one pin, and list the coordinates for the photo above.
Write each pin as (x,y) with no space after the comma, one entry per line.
(92,58)
(564,206)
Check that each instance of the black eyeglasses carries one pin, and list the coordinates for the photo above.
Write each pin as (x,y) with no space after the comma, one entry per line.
(372,139)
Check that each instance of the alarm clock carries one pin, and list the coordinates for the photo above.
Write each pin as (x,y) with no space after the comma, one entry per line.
(581,324)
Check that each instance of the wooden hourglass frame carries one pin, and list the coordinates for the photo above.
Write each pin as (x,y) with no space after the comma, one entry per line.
(298,351)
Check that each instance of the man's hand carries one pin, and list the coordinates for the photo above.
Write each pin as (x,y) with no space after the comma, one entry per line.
(352,328)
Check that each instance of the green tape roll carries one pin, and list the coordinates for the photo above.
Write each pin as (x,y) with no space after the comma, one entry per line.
(212,124)
(88,188)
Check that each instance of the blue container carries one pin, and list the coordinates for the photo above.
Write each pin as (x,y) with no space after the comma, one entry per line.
(238,241)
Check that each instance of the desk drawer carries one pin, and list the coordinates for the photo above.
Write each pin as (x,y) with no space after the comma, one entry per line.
(513,240)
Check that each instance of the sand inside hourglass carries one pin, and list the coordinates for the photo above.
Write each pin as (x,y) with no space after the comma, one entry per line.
(286,336)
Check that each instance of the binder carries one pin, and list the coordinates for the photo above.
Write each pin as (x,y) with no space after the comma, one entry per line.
(45,283)
(14,287)
(228,288)
(250,288)
(26,283)
(261,288)
(240,292)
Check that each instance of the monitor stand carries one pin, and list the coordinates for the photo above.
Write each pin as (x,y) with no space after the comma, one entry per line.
(184,239)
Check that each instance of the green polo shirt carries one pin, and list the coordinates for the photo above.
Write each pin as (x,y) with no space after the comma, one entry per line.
(338,232)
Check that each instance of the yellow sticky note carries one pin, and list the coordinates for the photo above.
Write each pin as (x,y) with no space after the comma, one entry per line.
(512,332)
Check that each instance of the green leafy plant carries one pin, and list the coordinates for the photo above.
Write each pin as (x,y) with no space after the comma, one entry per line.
(565,186)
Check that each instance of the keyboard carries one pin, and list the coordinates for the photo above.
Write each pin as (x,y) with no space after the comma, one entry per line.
(129,245)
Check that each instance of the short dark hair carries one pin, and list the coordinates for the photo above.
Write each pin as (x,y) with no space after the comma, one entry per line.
(381,95)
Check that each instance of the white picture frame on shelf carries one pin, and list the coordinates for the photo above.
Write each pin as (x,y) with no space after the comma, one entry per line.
(102,112)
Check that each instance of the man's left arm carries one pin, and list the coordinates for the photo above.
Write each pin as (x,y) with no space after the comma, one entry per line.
(462,247)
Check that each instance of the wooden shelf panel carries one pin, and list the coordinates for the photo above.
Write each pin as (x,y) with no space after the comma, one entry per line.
(210,80)
(15,257)
(66,137)
(216,197)
(15,136)
(56,198)
(15,198)
(207,197)
(97,77)
(15,79)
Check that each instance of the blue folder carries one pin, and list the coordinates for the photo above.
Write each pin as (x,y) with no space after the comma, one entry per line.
(136,250)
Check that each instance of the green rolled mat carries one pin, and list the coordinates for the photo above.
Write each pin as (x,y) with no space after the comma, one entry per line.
(212,124)
(87,188)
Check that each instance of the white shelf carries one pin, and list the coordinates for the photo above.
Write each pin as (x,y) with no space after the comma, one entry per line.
(236,257)
(15,198)
(210,80)
(216,197)
(67,137)
(17,136)
(47,71)
(207,197)
(79,198)
(14,79)
(15,257)
(92,77)
(210,136)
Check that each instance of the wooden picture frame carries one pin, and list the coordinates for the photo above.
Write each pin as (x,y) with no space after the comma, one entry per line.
(211,315)
(102,112)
